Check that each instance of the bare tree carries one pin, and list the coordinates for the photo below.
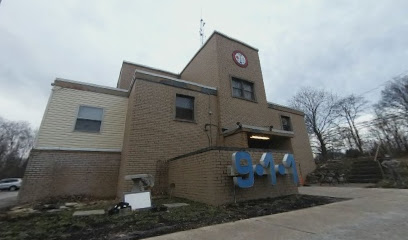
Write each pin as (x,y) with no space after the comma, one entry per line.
(394,98)
(350,108)
(318,106)
(389,131)
(391,125)
(345,136)
(16,141)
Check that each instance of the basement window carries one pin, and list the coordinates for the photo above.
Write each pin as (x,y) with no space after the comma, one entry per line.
(286,124)
(243,89)
(89,119)
(184,107)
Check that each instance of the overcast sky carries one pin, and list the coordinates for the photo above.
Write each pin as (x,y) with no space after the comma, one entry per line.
(343,46)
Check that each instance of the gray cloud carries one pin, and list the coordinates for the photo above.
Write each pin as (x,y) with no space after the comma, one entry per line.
(344,46)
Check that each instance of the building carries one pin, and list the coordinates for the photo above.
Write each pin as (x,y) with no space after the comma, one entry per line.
(181,128)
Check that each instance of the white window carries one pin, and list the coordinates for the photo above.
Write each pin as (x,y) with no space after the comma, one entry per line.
(89,119)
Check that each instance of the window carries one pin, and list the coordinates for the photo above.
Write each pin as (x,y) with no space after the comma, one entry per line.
(89,119)
(9,180)
(184,107)
(242,89)
(286,125)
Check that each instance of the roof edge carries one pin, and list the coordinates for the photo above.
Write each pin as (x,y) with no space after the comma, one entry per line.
(66,83)
(175,79)
(207,149)
(213,34)
(152,68)
(169,81)
(235,40)
(285,109)
(256,129)
(77,149)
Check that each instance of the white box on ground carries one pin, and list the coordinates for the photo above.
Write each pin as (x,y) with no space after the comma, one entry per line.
(138,200)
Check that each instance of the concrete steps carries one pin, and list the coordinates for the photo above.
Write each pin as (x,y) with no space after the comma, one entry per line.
(364,171)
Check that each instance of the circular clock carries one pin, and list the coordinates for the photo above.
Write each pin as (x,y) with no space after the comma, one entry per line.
(240,59)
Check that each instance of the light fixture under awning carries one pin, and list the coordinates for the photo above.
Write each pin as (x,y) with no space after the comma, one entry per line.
(259,137)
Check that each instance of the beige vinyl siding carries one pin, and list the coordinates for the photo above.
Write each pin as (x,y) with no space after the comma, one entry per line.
(57,127)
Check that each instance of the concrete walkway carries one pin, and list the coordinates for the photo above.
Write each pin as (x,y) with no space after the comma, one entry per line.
(371,214)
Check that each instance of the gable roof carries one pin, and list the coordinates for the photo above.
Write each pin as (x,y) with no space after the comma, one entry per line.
(177,75)
(212,35)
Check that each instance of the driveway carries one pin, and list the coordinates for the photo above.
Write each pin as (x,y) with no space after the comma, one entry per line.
(370,214)
(7,199)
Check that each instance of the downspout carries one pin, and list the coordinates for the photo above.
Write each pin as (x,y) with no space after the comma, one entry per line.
(210,116)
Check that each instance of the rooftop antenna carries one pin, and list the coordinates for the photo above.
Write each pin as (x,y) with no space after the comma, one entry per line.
(202,24)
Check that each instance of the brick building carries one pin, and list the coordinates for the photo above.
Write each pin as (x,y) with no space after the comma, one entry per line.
(181,128)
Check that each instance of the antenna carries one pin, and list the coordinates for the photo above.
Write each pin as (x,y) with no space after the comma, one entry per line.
(202,24)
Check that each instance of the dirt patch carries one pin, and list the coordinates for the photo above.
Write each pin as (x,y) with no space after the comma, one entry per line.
(142,224)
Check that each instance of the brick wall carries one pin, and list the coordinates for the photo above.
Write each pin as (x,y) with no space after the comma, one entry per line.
(301,146)
(153,135)
(59,173)
(233,109)
(236,140)
(215,61)
(299,143)
(203,68)
(203,177)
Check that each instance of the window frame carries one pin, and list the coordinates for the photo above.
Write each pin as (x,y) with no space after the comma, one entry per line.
(194,108)
(8,180)
(232,78)
(290,122)
(76,118)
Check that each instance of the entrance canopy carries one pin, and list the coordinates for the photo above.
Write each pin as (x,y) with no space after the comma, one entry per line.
(258,137)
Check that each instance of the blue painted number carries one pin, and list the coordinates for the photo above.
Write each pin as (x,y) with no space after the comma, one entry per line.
(242,164)
(289,162)
(268,163)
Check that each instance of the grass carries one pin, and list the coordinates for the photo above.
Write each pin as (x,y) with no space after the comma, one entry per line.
(141,224)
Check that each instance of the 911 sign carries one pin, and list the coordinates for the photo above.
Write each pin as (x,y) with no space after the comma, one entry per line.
(244,171)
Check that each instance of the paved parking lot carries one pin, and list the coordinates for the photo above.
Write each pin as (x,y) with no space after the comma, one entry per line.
(8,198)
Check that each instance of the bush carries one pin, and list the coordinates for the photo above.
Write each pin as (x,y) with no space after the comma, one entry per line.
(335,168)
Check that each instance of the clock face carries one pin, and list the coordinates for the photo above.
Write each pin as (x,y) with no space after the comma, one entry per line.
(240,59)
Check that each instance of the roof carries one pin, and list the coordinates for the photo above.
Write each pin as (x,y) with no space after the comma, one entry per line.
(285,109)
(60,82)
(199,50)
(140,75)
(152,68)
(220,34)
(174,82)
(234,40)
